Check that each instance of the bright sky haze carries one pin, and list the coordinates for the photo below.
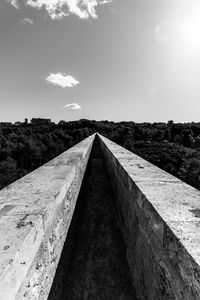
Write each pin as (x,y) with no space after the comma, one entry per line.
(132,60)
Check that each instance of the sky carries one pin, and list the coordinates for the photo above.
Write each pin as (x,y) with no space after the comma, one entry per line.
(119,60)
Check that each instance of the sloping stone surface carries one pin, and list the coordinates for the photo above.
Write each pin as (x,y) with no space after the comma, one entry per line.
(35,214)
(160,219)
(157,215)
(93,264)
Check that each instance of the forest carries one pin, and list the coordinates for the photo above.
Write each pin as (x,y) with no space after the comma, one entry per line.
(174,147)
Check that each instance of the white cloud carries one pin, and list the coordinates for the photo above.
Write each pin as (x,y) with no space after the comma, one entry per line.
(27,20)
(105,2)
(14,3)
(61,79)
(58,9)
(72,106)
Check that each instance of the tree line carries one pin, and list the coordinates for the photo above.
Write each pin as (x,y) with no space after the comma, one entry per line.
(174,147)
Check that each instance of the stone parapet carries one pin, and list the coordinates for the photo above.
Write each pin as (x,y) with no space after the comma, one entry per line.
(35,214)
(160,220)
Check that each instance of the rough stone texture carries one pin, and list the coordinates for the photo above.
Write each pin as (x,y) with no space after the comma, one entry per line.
(93,264)
(35,214)
(160,219)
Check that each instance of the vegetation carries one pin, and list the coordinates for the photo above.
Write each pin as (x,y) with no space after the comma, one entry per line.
(173,147)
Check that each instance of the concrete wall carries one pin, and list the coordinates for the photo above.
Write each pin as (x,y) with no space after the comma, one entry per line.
(160,219)
(159,216)
(35,214)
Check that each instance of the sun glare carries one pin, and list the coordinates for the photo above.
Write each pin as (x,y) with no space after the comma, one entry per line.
(181,30)
(189,32)
(187,26)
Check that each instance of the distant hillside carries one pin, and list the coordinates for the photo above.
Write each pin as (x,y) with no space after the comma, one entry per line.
(173,147)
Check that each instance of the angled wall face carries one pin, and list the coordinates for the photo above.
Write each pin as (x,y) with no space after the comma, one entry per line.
(35,214)
(159,216)
(93,264)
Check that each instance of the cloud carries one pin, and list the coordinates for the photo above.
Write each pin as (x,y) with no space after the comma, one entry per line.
(72,106)
(14,3)
(61,79)
(105,2)
(27,20)
(58,9)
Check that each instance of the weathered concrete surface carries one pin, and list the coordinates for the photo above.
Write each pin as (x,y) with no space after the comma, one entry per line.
(93,263)
(160,219)
(35,214)
(158,215)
